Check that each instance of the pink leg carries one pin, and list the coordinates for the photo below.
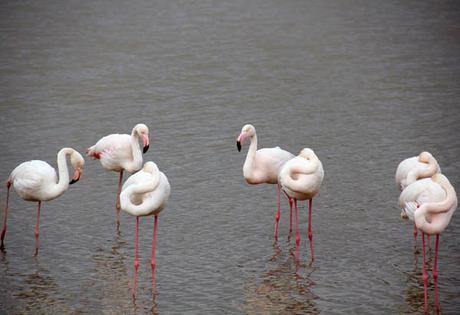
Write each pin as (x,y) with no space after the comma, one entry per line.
(429,242)
(278,212)
(290,217)
(425,274)
(297,237)
(5,214)
(152,259)
(415,235)
(37,229)
(435,274)
(117,205)
(310,230)
(136,258)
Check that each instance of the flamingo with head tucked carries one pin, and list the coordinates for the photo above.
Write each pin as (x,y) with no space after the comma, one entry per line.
(37,181)
(301,178)
(430,203)
(414,168)
(262,166)
(145,193)
(120,152)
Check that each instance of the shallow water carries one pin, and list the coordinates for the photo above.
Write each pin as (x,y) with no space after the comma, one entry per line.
(365,84)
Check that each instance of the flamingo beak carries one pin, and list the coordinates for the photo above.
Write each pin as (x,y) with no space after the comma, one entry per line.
(239,141)
(145,138)
(76,176)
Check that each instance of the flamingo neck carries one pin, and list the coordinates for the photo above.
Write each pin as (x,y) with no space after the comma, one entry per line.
(422,172)
(136,163)
(311,165)
(139,189)
(430,208)
(63,171)
(251,156)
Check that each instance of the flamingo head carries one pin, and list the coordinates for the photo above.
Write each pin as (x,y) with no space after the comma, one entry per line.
(77,162)
(247,131)
(307,153)
(150,167)
(425,157)
(143,133)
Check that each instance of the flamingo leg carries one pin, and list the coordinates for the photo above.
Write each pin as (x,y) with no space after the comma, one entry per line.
(136,258)
(297,237)
(37,229)
(428,241)
(152,258)
(435,273)
(415,235)
(278,212)
(117,205)
(425,275)
(290,218)
(5,214)
(310,230)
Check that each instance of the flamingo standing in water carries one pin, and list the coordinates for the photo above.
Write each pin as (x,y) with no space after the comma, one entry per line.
(414,168)
(301,178)
(430,203)
(37,181)
(263,166)
(120,152)
(145,193)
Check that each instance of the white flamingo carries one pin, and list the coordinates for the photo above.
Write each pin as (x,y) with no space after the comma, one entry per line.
(37,181)
(414,168)
(120,152)
(430,203)
(262,166)
(301,178)
(145,193)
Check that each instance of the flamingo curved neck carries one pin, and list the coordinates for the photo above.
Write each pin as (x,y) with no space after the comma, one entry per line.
(419,173)
(136,163)
(250,157)
(436,207)
(63,183)
(139,189)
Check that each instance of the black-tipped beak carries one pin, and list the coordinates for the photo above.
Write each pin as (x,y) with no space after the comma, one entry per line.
(238,145)
(145,149)
(73,181)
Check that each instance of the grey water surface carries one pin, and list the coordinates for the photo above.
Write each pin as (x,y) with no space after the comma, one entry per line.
(364,83)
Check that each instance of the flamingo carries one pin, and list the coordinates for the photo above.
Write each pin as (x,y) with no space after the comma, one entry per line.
(430,203)
(120,152)
(414,168)
(145,193)
(263,166)
(301,178)
(37,181)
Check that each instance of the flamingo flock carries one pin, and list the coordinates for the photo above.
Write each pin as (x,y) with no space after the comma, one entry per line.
(427,197)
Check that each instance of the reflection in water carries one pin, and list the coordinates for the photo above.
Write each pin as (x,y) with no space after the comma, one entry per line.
(282,289)
(414,294)
(39,292)
(112,282)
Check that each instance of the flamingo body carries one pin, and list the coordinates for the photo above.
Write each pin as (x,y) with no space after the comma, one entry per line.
(152,199)
(301,177)
(416,167)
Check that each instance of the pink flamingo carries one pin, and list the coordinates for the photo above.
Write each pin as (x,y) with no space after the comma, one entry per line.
(263,166)
(37,181)
(301,178)
(145,193)
(120,152)
(430,202)
(414,168)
